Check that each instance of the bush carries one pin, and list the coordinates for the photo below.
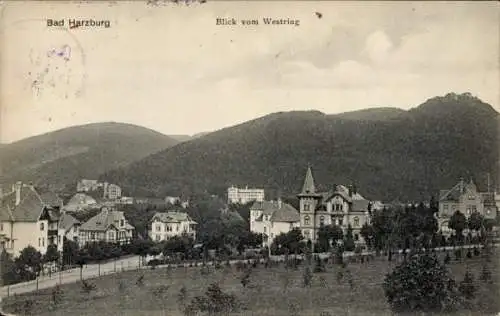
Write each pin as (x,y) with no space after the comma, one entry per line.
(88,287)
(307,276)
(245,279)
(476,251)
(469,254)
(467,287)
(447,258)
(57,295)
(214,302)
(420,284)
(319,267)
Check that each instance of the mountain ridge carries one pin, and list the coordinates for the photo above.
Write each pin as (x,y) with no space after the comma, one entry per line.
(407,158)
(63,156)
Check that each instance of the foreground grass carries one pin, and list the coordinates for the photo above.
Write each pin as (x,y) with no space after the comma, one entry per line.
(272,291)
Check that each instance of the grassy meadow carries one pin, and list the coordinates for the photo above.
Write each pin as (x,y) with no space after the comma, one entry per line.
(272,291)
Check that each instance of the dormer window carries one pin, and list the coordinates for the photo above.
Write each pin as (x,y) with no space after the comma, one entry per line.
(42,226)
(122,223)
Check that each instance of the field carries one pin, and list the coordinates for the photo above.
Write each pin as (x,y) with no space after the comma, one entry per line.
(273,291)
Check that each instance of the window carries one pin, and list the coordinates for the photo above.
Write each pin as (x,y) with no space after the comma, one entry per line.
(356,237)
(39,242)
(43,242)
(356,221)
(307,234)
(321,220)
(122,223)
(265,229)
(341,222)
(42,226)
(307,220)
(158,237)
(59,239)
(111,235)
(92,235)
(307,207)
(158,228)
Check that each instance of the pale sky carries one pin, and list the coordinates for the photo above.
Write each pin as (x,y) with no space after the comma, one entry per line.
(172,69)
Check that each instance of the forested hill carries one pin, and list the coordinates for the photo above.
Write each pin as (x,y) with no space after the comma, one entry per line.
(62,157)
(407,155)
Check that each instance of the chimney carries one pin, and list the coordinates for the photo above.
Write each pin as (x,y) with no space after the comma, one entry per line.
(349,189)
(18,187)
(279,203)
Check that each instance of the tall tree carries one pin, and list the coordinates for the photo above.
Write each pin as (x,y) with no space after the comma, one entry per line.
(349,239)
(458,223)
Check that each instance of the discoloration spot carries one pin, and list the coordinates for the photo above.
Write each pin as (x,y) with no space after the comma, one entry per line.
(319,15)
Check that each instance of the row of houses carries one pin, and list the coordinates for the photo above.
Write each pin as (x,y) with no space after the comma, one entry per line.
(30,218)
(344,206)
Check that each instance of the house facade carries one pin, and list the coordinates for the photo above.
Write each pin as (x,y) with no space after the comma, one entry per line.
(112,191)
(466,198)
(342,206)
(245,195)
(28,218)
(271,218)
(109,226)
(165,225)
(70,227)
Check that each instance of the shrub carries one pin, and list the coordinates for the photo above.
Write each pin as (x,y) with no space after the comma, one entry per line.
(160,291)
(88,287)
(467,287)
(319,266)
(476,252)
(57,295)
(140,281)
(447,258)
(469,254)
(307,276)
(214,302)
(420,284)
(485,274)
(182,297)
(245,279)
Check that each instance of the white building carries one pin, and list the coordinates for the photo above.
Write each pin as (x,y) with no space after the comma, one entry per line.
(243,196)
(165,225)
(272,218)
(112,191)
(28,218)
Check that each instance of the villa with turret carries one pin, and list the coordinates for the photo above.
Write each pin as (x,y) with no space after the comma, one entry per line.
(342,206)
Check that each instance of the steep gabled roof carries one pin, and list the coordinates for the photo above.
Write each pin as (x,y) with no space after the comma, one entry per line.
(67,221)
(51,199)
(454,193)
(172,217)
(30,206)
(285,213)
(308,187)
(103,221)
(360,205)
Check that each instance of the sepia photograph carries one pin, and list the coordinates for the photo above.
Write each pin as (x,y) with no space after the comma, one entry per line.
(271,158)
